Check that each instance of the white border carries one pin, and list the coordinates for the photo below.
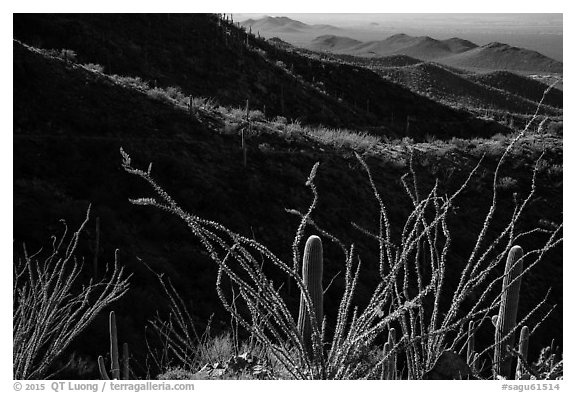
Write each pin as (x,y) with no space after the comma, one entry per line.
(296,6)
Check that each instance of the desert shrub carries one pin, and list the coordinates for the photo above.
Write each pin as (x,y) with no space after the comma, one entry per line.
(237,114)
(160,95)
(171,95)
(489,148)
(175,93)
(64,54)
(203,103)
(68,55)
(289,130)
(407,141)
(94,67)
(499,137)
(507,183)
(257,115)
(344,139)
(134,82)
(49,311)
(280,120)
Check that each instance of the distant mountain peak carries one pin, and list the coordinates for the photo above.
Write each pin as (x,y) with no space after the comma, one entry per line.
(458,45)
(333,42)
(399,37)
(497,45)
(283,24)
(283,20)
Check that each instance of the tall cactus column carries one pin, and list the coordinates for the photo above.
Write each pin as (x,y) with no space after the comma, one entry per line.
(523,349)
(507,313)
(312,267)
(114,356)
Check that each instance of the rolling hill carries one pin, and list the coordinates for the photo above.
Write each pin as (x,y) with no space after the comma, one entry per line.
(498,56)
(497,92)
(333,43)
(454,52)
(423,48)
(521,86)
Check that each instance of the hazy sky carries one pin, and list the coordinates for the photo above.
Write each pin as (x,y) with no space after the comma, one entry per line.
(536,31)
(552,22)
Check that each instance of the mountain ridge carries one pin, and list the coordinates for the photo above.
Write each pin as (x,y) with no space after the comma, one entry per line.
(499,56)
(283,24)
(454,51)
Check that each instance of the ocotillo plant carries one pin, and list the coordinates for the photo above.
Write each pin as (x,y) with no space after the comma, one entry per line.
(506,322)
(115,370)
(312,267)
(523,350)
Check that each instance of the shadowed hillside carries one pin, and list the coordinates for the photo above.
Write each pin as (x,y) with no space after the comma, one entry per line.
(521,86)
(454,89)
(205,56)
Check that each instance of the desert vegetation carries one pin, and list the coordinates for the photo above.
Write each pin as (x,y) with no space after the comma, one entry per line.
(408,297)
(281,246)
(51,306)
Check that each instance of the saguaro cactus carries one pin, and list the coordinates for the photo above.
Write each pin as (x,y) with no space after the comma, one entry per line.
(312,267)
(506,320)
(386,365)
(523,349)
(470,344)
(392,360)
(114,358)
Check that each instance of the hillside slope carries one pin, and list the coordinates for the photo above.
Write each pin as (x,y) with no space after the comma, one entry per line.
(498,56)
(454,89)
(204,56)
(521,86)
